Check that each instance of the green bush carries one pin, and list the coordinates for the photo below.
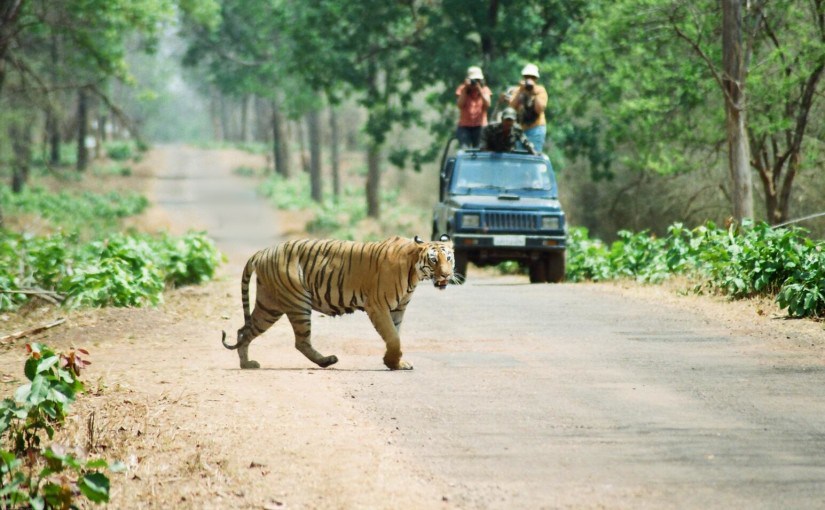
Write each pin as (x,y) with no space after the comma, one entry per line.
(341,217)
(120,151)
(120,270)
(587,259)
(189,260)
(754,259)
(803,293)
(32,474)
(86,212)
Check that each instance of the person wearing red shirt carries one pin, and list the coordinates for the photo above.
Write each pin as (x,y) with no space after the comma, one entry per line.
(473,99)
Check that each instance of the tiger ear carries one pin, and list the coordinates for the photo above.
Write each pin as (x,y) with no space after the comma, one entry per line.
(444,238)
(419,240)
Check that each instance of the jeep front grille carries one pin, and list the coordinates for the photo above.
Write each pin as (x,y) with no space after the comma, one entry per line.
(510,221)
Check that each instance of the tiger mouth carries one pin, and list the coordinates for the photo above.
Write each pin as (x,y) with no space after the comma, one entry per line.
(440,284)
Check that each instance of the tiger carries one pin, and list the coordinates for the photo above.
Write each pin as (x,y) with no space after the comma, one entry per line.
(337,277)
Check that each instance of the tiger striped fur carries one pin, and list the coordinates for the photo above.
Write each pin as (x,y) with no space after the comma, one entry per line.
(337,277)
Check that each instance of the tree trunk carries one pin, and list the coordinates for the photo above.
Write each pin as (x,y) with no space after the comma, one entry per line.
(9,14)
(488,42)
(314,134)
(335,156)
(53,135)
(52,118)
(100,135)
(20,133)
(280,146)
(82,129)
(245,119)
(223,111)
(215,116)
(373,180)
(735,109)
(302,147)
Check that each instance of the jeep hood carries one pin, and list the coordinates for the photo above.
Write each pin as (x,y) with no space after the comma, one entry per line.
(506,201)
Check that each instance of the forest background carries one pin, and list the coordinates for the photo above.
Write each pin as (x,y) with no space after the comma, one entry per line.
(639,111)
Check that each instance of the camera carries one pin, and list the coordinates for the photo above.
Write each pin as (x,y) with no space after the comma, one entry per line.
(475,82)
(528,84)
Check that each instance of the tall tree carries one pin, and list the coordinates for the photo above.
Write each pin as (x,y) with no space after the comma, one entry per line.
(733,84)
(93,36)
(651,89)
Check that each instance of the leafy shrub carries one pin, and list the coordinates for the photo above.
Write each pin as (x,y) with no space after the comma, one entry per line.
(33,475)
(189,260)
(288,194)
(120,270)
(120,150)
(343,217)
(87,212)
(587,259)
(753,259)
(803,293)
(640,256)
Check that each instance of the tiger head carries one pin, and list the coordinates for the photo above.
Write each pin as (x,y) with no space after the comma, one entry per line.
(436,261)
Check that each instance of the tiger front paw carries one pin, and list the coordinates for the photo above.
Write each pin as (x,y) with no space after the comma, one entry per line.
(327,361)
(398,365)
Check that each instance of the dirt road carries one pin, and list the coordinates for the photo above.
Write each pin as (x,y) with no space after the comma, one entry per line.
(523,396)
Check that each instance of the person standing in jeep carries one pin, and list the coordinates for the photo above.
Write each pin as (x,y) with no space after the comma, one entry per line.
(473,99)
(529,101)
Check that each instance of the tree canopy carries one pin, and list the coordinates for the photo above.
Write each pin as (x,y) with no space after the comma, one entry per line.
(635,85)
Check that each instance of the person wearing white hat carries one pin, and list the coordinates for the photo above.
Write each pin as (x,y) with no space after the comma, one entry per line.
(473,99)
(530,101)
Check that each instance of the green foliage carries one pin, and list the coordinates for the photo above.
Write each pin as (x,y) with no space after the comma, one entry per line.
(120,270)
(288,194)
(188,260)
(803,293)
(748,261)
(342,217)
(587,259)
(89,212)
(121,150)
(32,474)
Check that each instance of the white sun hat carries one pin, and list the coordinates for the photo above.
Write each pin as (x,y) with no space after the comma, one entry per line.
(530,70)
(474,73)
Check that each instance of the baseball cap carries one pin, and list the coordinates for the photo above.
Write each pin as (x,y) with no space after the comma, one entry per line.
(508,113)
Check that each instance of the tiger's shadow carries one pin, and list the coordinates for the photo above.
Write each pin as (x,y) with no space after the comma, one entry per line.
(312,370)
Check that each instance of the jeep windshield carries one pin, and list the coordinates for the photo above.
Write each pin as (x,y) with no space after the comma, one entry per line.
(498,176)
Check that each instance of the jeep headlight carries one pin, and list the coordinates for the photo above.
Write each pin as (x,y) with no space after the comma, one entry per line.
(550,223)
(470,221)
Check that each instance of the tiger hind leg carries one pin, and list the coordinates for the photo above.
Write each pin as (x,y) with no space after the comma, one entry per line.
(302,327)
(262,318)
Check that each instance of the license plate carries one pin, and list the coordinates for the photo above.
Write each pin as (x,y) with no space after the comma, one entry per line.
(509,241)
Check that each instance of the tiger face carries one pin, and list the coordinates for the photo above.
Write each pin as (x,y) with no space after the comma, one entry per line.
(437,262)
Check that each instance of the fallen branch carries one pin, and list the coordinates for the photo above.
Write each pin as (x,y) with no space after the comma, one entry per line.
(32,331)
(47,295)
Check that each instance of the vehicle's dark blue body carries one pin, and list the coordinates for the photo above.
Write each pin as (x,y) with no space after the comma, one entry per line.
(502,206)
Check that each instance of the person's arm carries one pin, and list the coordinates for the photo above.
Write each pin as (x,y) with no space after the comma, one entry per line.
(526,143)
(485,136)
(540,102)
(515,98)
(486,97)
(462,95)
